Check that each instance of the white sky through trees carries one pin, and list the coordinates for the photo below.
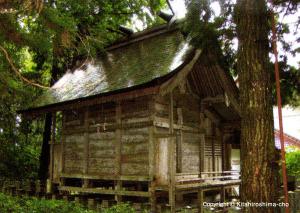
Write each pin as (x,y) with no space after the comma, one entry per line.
(180,11)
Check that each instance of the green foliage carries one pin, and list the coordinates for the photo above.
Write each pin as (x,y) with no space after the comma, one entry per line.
(121,208)
(10,204)
(293,163)
(202,30)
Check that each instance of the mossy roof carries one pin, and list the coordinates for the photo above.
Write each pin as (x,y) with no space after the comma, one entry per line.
(130,63)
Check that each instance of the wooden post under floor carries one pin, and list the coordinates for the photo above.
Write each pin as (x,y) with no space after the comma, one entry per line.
(200,200)
(222,195)
(152,198)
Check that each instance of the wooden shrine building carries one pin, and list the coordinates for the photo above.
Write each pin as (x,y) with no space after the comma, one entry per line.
(153,119)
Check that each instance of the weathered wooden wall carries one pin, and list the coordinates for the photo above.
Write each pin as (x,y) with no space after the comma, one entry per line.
(198,141)
(130,139)
(108,140)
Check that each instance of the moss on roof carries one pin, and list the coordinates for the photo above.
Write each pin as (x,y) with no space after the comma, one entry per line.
(126,66)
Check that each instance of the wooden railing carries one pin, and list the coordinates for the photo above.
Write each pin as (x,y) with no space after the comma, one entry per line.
(207,176)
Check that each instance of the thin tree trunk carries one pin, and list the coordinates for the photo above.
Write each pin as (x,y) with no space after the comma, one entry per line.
(45,153)
(257,138)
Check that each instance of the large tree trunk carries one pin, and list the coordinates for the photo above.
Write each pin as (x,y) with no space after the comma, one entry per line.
(257,139)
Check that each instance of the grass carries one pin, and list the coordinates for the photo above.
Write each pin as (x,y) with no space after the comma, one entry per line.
(11,204)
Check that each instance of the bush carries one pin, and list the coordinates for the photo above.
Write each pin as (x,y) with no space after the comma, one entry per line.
(9,204)
(293,162)
(121,208)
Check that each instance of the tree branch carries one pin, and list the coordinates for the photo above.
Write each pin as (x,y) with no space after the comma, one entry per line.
(18,73)
(170,6)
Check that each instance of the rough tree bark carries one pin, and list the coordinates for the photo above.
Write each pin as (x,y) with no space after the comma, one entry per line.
(257,138)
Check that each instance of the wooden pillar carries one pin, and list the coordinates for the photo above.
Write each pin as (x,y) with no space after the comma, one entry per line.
(213,148)
(151,186)
(118,184)
(219,138)
(86,146)
(202,126)
(172,156)
(63,140)
(200,200)
(152,154)
(223,151)
(152,198)
(179,142)
(228,151)
(53,130)
(222,194)
(202,154)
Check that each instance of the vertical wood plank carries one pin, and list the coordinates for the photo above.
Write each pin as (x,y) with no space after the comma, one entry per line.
(118,147)
(172,156)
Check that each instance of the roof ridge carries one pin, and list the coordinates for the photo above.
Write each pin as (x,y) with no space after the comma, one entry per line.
(141,35)
(288,136)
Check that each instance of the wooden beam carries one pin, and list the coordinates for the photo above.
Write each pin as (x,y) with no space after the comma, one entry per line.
(91,100)
(215,99)
(230,89)
(164,122)
(171,84)
(212,115)
(106,177)
(104,191)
